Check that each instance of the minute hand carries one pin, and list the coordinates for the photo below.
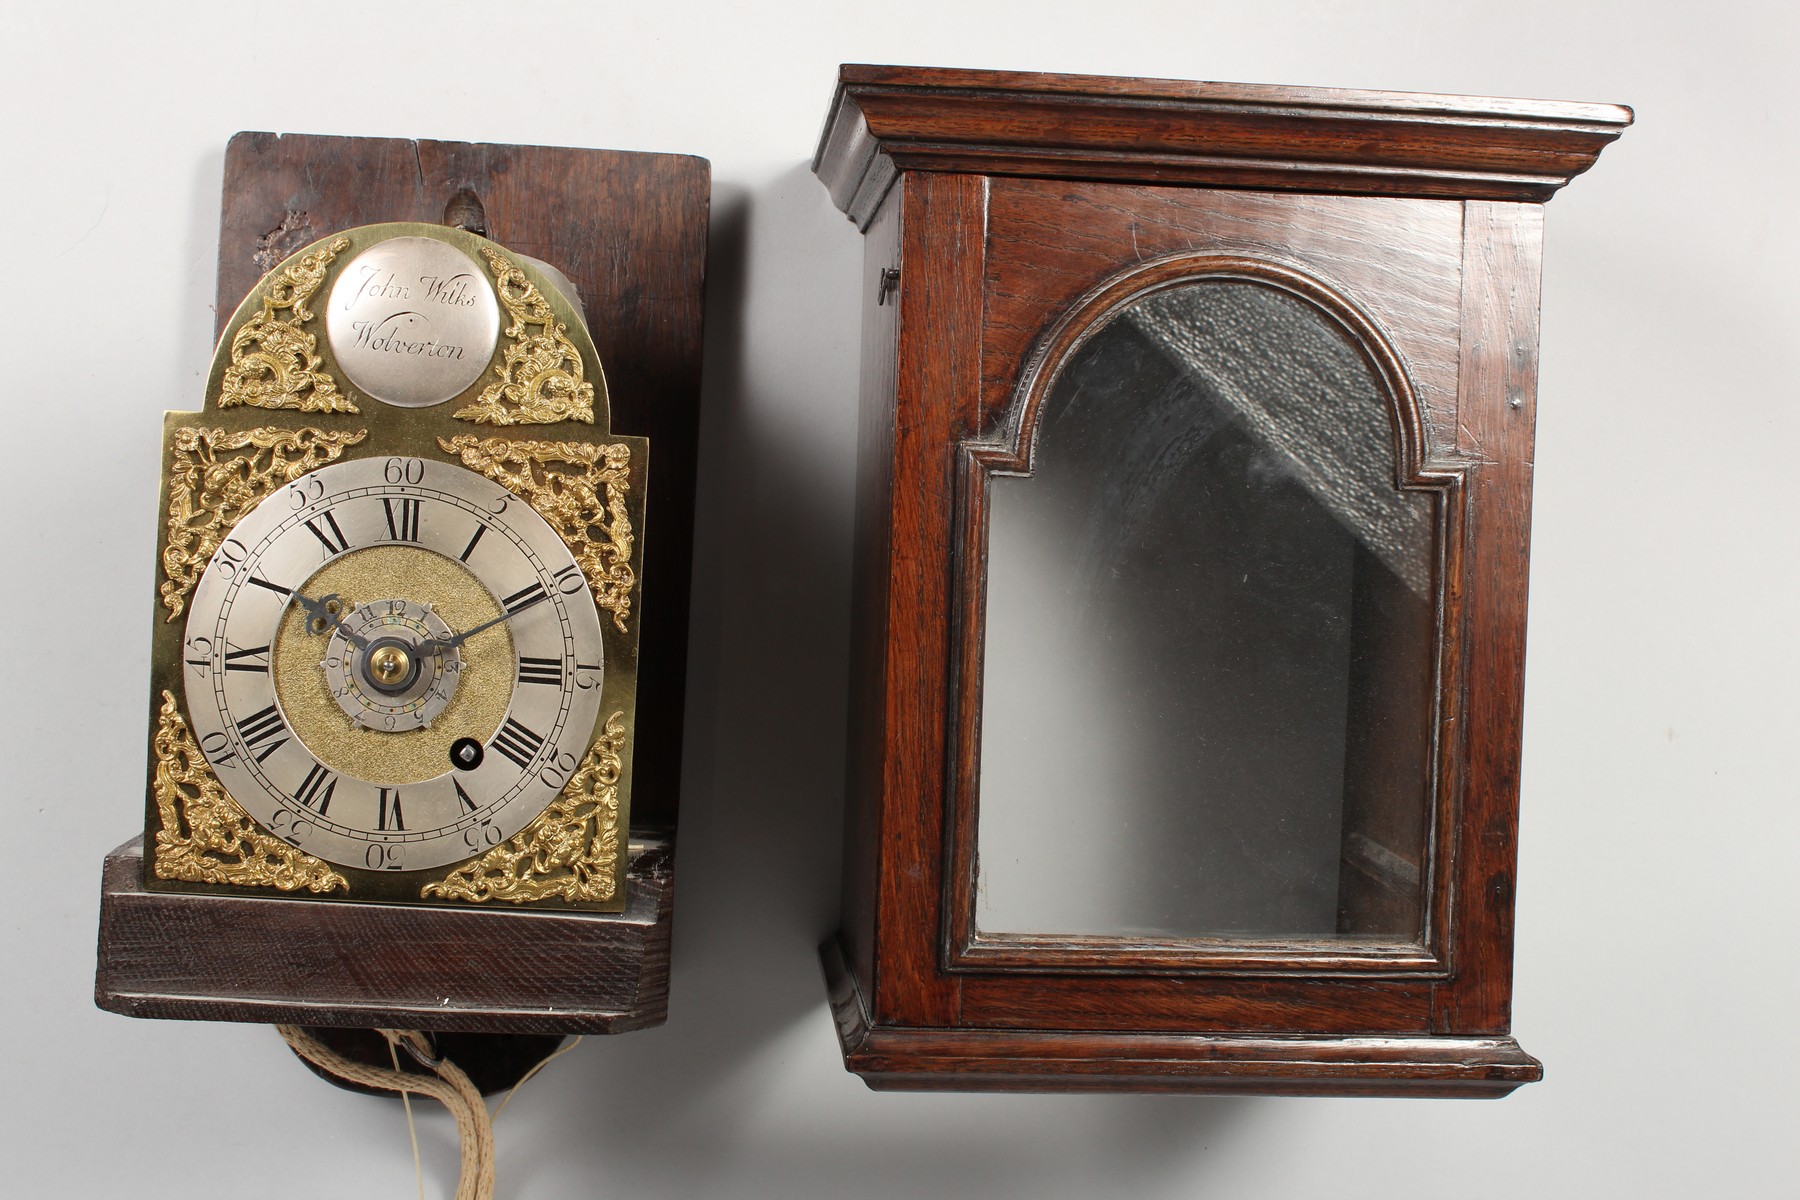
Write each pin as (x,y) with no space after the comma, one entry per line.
(452,643)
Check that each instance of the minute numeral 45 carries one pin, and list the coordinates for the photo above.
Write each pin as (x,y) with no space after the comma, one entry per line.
(402,518)
(316,789)
(541,670)
(389,817)
(518,743)
(334,542)
(263,732)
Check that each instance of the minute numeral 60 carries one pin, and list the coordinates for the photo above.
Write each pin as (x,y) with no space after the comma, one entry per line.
(403,470)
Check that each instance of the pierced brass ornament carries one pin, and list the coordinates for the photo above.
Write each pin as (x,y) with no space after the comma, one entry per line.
(542,380)
(569,853)
(274,362)
(221,844)
(208,493)
(580,488)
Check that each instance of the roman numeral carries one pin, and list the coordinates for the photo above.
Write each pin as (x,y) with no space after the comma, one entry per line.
(470,548)
(523,599)
(389,816)
(260,582)
(402,519)
(316,789)
(332,547)
(264,726)
(541,670)
(462,795)
(247,660)
(518,743)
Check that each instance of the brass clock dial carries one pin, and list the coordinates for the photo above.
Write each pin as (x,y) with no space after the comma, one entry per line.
(393,663)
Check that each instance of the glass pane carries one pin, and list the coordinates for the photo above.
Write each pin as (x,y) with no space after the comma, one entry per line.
(1208,659)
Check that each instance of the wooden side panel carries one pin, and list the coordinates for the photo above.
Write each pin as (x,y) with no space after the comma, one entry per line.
(942,236)
(629,230)
(869,595)
(1503,253)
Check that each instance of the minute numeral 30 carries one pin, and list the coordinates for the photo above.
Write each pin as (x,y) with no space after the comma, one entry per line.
(402,518)
(518,743)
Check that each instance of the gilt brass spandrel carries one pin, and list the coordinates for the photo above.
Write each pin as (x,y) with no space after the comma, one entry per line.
(581,489)
(570,853)
(212,485)
(541,376)
(205,837)
(274,361)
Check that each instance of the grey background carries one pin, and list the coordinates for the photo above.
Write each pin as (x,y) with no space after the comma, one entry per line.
(1657,904)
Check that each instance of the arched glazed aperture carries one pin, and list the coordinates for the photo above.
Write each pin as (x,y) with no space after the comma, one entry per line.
(1208,657)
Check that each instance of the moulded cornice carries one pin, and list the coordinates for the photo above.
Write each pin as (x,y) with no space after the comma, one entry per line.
(889,119)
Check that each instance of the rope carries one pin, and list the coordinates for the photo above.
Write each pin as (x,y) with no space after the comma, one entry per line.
(452,1089)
